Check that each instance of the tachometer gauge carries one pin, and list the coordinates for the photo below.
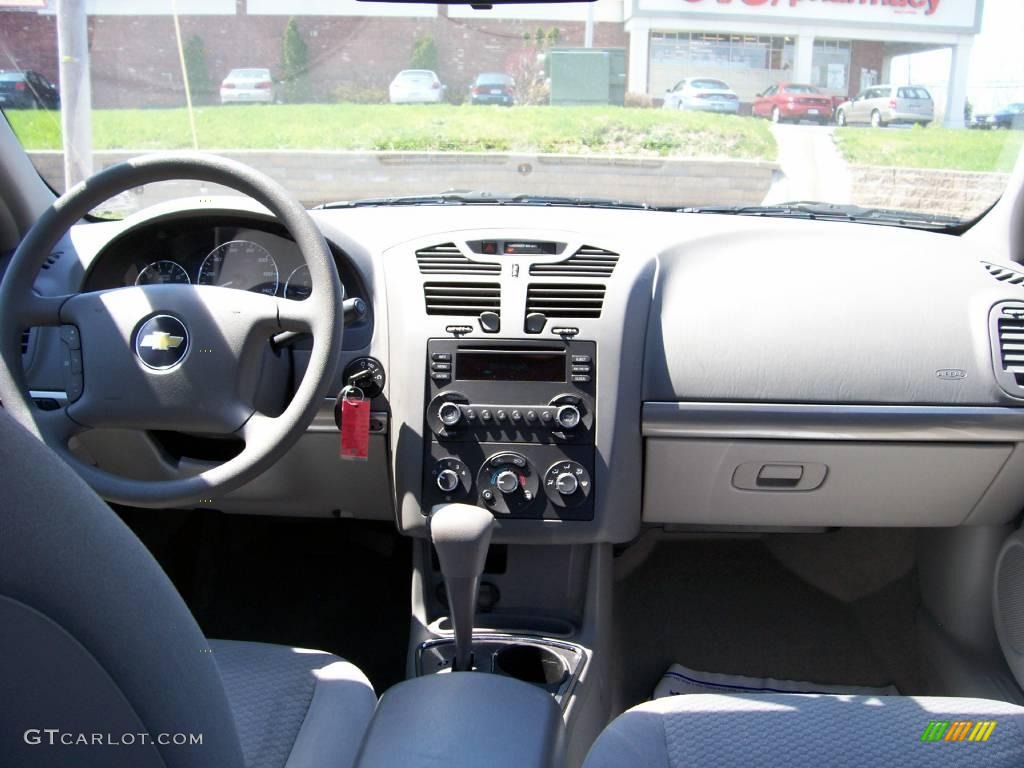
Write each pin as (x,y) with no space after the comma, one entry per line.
(240,264)
(164,272)
(298,285)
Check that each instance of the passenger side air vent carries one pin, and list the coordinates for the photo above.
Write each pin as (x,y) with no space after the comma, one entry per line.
(556,300)
(586,262)
(1004,274)
(447,259)
(462,299)
(1009,344)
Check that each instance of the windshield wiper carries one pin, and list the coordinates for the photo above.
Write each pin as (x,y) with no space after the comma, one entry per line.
(475,197)
(809,209)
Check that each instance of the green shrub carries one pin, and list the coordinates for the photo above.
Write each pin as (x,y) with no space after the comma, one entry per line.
(200,84)
(424,53)
(294,64)
(352,93)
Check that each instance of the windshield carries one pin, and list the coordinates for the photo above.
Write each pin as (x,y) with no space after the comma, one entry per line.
(342,100)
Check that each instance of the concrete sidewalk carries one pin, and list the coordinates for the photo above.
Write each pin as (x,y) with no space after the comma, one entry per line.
(811,167)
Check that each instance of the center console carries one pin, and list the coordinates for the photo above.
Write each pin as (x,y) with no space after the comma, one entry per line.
(511,427)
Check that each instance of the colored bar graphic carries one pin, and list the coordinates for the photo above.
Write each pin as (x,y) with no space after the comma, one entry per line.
(958,730)
(935,731)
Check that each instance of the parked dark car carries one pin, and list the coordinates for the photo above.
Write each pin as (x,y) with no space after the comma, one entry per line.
(493,88)
(793,101)
(27,90)
(1010,116)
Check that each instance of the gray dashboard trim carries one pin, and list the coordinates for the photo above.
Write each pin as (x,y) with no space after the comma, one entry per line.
(770,421)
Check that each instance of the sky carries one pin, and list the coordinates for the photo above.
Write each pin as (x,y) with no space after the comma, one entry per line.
(997,60)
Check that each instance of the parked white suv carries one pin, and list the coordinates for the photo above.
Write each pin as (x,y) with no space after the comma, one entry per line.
(882,105)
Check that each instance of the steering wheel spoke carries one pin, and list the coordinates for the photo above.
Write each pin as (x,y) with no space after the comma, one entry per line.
(56,427)
(42,310)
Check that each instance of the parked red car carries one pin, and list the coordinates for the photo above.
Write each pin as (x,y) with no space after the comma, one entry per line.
(794,101)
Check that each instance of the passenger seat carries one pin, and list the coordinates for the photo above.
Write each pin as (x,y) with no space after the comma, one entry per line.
(816,731)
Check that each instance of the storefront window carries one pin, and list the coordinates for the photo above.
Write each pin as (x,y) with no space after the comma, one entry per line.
(830,65)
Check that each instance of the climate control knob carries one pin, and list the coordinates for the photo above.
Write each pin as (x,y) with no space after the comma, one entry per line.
(447,480)
(567,484)
(450,414)
(568,416)
(507,481)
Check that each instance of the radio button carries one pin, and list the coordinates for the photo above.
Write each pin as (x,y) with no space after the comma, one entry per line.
(581,369)
(546,416)
(580,378)
(516,415)
(531,416)
(470,414)
(568,416)
(450,414)
(501,415)
(444,357)
(441,378)
(446,367)
(582,359)
(485,415)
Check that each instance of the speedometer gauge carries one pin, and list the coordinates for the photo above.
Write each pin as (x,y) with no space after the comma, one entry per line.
(163,272)
(240,264)
(298,286)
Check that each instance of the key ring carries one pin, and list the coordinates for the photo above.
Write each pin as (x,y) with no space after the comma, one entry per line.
(352,389)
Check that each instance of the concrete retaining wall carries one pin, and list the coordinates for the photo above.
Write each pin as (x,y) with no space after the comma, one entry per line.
(947,193)
(316,177)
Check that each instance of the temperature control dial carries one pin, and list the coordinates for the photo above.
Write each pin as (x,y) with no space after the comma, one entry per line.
(507,484)
(567,483)
(452,478)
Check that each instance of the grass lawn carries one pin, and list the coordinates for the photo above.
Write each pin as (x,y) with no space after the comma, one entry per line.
(575,130)
(932,147)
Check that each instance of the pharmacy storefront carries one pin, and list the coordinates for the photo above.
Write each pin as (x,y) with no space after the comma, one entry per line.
(841,46)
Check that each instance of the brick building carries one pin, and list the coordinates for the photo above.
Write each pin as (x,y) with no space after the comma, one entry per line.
(841,46)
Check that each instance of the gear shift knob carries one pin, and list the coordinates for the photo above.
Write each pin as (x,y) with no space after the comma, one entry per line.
(461,534)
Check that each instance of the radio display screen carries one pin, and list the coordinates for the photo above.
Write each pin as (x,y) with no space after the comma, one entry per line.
(519,366)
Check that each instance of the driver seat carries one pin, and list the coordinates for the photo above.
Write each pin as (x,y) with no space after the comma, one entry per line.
(103,664)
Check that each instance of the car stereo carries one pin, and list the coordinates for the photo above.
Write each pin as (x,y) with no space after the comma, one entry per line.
(512,426)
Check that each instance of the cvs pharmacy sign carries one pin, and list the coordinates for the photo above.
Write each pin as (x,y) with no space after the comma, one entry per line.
(929,7)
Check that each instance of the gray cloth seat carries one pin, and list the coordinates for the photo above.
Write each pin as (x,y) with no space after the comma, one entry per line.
(102,664)
(762,730)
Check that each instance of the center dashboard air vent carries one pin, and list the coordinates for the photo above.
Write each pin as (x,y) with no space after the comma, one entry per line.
(447,259)
(456,299)
(588,261)
(558,300)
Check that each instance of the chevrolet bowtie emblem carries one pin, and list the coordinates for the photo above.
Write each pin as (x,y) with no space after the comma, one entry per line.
(161,341)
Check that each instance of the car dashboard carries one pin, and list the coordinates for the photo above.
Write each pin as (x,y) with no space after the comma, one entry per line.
(583,372)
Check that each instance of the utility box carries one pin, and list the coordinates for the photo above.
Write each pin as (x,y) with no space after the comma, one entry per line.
(587,75)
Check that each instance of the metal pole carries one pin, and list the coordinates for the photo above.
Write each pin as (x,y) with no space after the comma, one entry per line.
(184,76)
(75,90)
(588,30)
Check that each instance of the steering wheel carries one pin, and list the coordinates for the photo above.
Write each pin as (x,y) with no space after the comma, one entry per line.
(170,357)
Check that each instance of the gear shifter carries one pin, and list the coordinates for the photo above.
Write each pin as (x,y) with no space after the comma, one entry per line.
(461,534)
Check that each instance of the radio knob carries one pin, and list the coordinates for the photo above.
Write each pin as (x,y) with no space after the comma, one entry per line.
(447,480)
(507,481)
(567,484)
(450,414)
(568,416)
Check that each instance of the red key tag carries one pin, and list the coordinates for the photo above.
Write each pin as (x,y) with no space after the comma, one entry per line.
(355,425)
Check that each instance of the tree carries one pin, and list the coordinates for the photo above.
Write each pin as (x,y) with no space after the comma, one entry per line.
(294,63)
(199,82)
(424,53)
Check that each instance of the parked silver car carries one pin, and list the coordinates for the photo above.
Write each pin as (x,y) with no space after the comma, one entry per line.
(702,93)
(250,85)
(882,105)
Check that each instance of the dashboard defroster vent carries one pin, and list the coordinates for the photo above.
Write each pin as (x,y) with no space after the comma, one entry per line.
(588,261)
(557,300)
(447,259)
(1004,274)
(462,299)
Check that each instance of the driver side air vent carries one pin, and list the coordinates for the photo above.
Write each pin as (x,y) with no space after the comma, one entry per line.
(557,300)
(462,299)
(588,261)
(26,337)
(447,259)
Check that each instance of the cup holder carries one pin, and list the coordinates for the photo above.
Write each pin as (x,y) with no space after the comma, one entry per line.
(532,664)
